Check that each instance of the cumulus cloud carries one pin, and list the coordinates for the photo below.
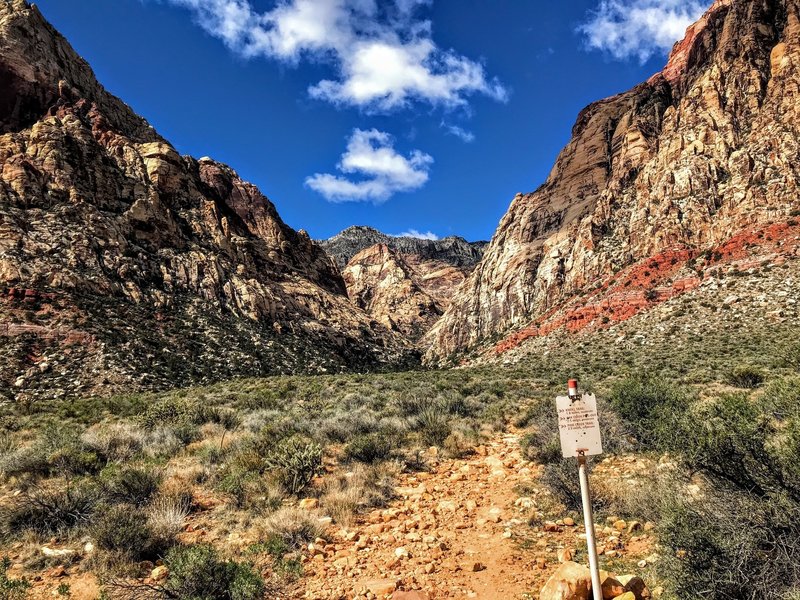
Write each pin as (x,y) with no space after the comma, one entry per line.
(427,235)
(382,53)
(379,170)
(640,28)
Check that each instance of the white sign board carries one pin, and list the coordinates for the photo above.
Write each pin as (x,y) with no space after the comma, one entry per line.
(579,426)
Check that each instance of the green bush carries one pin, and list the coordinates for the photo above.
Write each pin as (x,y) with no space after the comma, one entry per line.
(198,573)
(733,440)
(11,589)
(131,485)
(745,376)
(736,540)
(434,424)
(293,463)
(123,529)
(541,446)
(369,448)
(56,451)
(730,545)
(652,408)
(561,479)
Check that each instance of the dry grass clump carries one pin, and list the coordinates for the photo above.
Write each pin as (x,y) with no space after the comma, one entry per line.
(292,525)
(166,515)
(362,488)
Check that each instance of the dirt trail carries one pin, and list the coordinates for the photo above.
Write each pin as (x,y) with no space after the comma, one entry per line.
(450,534)
(459,529)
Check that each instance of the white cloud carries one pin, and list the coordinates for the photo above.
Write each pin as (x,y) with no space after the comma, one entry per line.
(382,170)
(383,54)
(640,28)
(459,132)
(428,235)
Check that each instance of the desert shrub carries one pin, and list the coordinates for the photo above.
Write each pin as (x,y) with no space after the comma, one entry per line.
(115,441)
(369,448)
(730,545)
(294,526)
(735,540)
(457,444)
(12,589)
(123,529)
(733,440)
(175,411)
(561,479)
(161,441)
(56,450)
(790,356)
(434,424)
(781,398)
(652,408)
(132,485)
(541,446)
(251,490)
(198,573)
(745,376)
(48,511)
(293,463)
(343,426)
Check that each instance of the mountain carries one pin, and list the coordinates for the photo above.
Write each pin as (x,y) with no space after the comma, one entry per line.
(689,179)
(452,250)
(406,283)
(125,265)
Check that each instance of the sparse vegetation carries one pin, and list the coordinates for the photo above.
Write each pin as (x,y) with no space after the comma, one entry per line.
(199,572)
(131,483)
(11,589)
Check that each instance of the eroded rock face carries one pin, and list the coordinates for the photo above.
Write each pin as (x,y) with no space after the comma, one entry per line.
(122,262)
(701,152)
(383,283)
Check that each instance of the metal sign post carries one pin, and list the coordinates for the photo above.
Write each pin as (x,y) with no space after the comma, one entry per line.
(579,428)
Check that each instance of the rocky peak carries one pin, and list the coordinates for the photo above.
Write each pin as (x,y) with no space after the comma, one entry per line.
(675,167)
(453,250)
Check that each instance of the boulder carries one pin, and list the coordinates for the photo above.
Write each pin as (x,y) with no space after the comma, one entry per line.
(571,581)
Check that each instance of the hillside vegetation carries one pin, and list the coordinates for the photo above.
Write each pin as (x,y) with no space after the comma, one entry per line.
(118,485)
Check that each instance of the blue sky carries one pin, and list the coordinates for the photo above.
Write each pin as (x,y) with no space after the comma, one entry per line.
(405,115)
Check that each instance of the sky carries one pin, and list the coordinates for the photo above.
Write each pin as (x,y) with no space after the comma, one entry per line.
(421,117)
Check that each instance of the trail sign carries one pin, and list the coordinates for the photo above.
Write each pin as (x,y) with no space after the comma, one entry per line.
(580,437)
(579,426)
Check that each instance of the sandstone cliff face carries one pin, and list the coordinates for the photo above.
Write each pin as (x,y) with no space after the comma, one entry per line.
(382,283)
(123,263)
(453,250)
(702,152)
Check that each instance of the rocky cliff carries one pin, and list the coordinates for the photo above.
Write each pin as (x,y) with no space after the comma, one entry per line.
(656,185)
(406,292)
(124,264)
(452,250)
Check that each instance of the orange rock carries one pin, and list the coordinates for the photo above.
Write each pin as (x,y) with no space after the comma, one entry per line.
(571,581)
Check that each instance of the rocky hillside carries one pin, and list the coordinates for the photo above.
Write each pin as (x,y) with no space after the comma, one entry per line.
(452,250)
(406,283)
(406,296)
(124,264)
(660,189)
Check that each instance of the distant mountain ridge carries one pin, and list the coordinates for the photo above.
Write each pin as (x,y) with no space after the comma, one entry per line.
(453,250)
